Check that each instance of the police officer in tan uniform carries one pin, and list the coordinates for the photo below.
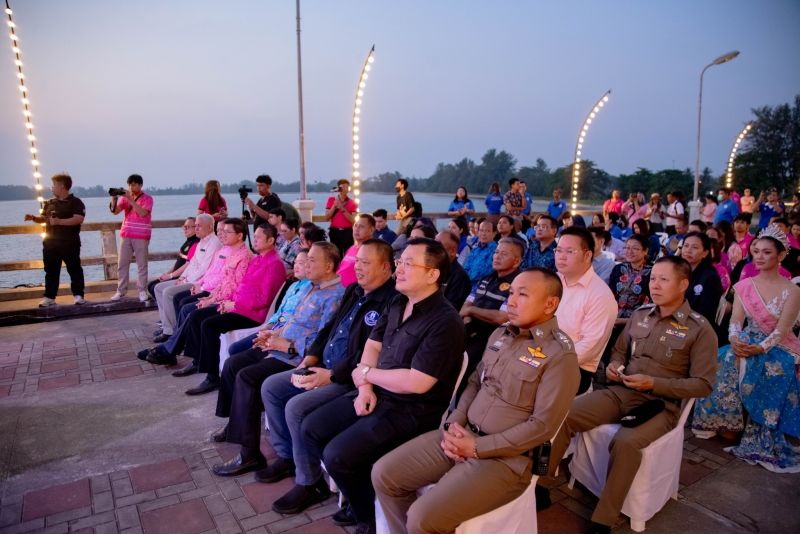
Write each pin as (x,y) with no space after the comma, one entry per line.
(485,445)
(667,352)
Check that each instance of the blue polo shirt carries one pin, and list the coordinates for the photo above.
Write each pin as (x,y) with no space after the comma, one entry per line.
(726,211)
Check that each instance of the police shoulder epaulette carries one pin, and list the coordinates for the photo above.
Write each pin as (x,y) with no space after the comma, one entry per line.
(563,338)
(697,317)
(647,306)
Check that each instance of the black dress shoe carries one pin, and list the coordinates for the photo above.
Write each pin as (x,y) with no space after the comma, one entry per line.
(597,528)
(543,501)
(142,354)
(277,470)
(301,497)
(160,357)
(161,338)
(236,466)
(365,528)
(206,386)
(344,517)
(158,332)
(186,371)
(220,435)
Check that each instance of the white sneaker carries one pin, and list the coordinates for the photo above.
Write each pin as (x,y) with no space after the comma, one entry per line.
(79,299)
(116,296)
(144,296)
(47,302)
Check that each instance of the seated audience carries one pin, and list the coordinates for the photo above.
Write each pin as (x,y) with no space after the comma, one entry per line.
(458,286)
(382,230)
(289,231)
(603,260)
(185,253)
(541,251)
(363,228)
(479,261)
(705,286)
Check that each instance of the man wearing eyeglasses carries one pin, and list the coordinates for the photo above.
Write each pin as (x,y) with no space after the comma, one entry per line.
(405,380)
(541,252)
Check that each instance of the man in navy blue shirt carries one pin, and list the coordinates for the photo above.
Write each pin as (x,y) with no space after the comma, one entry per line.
(382,230)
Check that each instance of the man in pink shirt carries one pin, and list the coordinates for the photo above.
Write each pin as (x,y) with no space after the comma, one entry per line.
(134,235)
(363,229)
(341,211)
(588,309)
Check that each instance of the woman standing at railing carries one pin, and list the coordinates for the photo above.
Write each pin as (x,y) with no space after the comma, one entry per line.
(212,202)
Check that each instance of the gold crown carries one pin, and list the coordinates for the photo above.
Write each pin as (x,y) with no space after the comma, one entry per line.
(774,231)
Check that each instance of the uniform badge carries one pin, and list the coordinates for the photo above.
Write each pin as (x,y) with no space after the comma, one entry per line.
(678,325)
(677,333)
(371,318)
(698,289)
(680,315)
(505,286)
(530,360)
(537,352)
(538,332)
(497,345)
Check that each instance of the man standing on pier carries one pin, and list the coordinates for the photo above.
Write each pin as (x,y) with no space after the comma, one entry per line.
(63,215)
(135,235)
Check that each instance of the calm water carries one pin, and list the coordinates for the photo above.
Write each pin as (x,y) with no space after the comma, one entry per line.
(27,247)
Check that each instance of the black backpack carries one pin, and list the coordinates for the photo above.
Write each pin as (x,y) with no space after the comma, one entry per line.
(417,209)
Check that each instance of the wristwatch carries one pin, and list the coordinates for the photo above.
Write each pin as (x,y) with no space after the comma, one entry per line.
(364,370)
(291,349)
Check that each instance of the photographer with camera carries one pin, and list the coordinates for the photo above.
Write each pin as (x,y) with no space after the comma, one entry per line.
(62,215)
(135,233)
(341,211)
(259,211)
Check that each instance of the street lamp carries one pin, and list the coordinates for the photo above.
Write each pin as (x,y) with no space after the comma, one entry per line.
(304,204)
(734,150)
(694,206)
(362,84)
(576,165)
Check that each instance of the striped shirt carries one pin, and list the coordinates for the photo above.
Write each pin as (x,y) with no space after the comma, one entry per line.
(135,226)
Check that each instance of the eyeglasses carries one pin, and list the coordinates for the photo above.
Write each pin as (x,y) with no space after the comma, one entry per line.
(570,251)
(407,264)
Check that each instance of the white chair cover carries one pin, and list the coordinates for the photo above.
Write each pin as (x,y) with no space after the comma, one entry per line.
(229,338)
(657,478)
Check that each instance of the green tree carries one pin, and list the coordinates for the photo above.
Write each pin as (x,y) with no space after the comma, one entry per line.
(594,184)
(538,178)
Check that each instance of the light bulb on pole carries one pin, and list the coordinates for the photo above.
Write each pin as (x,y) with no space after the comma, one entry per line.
(734,150)
(576,166)
(356,147)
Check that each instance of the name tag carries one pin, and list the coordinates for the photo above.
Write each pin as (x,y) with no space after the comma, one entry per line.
(676,333)
(496,346)
(530,360)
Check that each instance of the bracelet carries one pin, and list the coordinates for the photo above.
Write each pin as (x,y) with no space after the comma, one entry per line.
(475,452)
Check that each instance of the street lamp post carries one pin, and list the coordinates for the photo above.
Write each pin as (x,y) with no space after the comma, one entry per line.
(694,205)
(304,205)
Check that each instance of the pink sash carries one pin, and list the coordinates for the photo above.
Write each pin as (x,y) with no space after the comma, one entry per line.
(757,311)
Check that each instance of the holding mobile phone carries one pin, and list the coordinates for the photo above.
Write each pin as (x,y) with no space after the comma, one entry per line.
(303,371)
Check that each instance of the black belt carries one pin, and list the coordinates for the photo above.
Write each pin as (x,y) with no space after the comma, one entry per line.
(341,229)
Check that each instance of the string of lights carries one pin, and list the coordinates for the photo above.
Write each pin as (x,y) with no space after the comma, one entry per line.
(362,83)
(734,150)
(576,166)
(26,107)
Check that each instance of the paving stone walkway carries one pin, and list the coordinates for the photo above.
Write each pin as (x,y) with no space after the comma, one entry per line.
(141,486)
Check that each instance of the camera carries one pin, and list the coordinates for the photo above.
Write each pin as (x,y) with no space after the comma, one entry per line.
(243,192)
(337,189)
(116,191)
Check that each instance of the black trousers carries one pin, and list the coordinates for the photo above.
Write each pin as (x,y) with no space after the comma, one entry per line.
(350,444)
(240,394)
(342,238)
(55,251)
(185,297)
(202,330)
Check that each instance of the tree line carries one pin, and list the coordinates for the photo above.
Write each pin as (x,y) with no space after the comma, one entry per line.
(768,157)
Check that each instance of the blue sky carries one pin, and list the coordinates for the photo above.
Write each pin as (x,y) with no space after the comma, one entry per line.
(182,91)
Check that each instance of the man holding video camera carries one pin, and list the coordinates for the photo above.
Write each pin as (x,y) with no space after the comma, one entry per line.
(62,215)
(135,233)
(259,211)
(341,211)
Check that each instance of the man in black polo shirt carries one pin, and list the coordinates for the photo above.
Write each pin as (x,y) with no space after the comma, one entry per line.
(405,380)
(268,201)
(485,308)
(458,286)
(63,216)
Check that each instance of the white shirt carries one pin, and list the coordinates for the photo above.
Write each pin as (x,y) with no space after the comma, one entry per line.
(587,313)
(203,256)
(674,212)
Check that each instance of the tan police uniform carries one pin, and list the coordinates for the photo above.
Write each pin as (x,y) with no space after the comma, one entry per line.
(518,367)
(680,353)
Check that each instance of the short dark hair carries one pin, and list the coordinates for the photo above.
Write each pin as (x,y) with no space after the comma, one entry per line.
(313,233)
(679,265)
(264,179)
(744,217)
(546,217)
(343,182)
(641,239)
(64,179)
(428,231)
(279,212)
(552,282)
(135,179)
(292,224)
(382,213)
(491,222)
(602,233)
(700,224)
(369,218)
(403,182)
(512,181)
(514,242)
(435,256)
(451,236)
(508,218)
(384,250)
(239,225)
(583,234)
(331,252)
(268,229)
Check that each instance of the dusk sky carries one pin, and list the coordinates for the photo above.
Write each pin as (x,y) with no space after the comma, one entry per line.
(187,90)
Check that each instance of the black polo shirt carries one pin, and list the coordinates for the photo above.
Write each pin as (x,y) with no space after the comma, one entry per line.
(431,341)
(458,285)
(269,202)
(184,252)
(63,209)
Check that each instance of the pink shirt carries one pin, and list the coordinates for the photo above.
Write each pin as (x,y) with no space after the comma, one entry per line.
(213,275)
(203,207)
(264,277)
(232,273)
(612,205)
(587,313)
(339,220)
(347,267)
(134,226)
(744,244)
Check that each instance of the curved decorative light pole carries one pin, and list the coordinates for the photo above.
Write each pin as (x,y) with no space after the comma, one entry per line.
(26,107)
(734,150)
(362,83)
(694,211)
(576,166)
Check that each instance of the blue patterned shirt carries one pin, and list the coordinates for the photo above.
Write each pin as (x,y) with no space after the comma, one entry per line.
(535,257)
(479,261)
(296,292)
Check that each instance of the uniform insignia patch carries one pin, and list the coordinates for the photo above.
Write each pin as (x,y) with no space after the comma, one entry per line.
(698,289)
(371,318)
(505,286)
(678,325)
(537,352)
(538,332)
(529,360)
